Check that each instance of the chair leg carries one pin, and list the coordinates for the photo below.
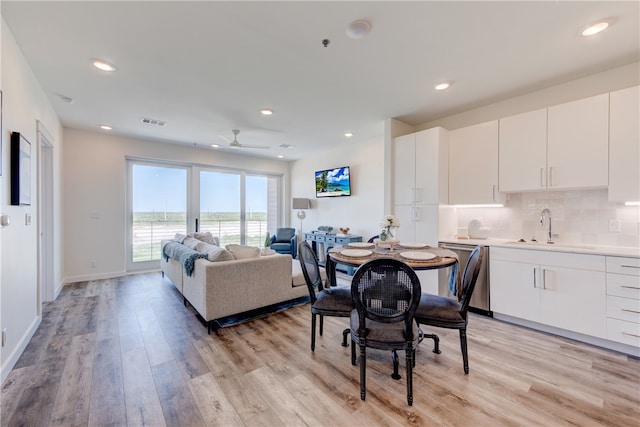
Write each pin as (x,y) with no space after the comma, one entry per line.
(353,352)
(463,347)
(313,332)
(363,370)
(321,324)
(396,363)
(410,361)
(436,342)
(345,333)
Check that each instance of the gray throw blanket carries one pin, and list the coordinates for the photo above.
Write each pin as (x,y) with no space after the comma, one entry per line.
(183,254)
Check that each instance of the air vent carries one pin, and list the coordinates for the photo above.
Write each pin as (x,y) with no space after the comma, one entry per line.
(153,122)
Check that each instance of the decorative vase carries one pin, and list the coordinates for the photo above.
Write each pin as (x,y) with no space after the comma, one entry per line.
(383,235)
(389,233)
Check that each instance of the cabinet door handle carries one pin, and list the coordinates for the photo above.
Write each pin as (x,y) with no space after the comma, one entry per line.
(630,311)
(550,176)
(630,266)
(544,278)
(631,335)
(534,278)
(493,193)
(629,287)
(542,177)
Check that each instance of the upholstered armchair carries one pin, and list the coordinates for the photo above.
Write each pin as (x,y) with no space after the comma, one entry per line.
(284,241)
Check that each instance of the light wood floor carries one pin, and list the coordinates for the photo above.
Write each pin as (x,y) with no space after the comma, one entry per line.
(127,352)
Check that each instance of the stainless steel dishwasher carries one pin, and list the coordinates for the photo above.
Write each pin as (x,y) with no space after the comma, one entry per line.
(480,298)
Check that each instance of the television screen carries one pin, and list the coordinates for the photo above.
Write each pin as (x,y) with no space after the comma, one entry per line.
(333,182)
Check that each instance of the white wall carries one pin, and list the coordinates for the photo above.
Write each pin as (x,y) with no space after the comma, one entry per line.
(363,210)
(24,102)
(95,185)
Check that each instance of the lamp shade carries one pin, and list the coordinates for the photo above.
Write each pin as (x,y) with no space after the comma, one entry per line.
(300,203)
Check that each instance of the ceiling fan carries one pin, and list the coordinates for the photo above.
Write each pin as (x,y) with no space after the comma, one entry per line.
(236,144)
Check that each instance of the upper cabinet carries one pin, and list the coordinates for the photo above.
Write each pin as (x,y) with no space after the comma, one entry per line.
(473,166)
(624,145)
(578,144)
(561,147)
(523,152)
(420,168)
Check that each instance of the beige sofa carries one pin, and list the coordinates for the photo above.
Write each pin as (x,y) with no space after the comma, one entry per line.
(217,289)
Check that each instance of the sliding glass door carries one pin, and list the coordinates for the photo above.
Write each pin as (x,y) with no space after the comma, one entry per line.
(158,200)
(165,199)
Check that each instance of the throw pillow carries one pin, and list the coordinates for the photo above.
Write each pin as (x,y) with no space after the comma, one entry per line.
(214,253)
(243,252)
(191,242)
(207,237)
(179,237)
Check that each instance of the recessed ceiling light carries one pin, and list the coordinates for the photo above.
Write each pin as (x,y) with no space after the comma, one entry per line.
(280,156)
(105,127)
(442,86)
(266,112)
(348,134)
(358,29)
(594,28)
(103,65)
(215,145)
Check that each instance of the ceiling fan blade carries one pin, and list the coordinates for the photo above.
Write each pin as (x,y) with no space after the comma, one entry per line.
(254,146)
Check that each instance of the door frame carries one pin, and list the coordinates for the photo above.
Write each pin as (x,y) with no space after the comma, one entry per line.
(45,216)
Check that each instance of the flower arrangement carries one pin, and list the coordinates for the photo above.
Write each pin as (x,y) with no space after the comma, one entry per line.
(389,222)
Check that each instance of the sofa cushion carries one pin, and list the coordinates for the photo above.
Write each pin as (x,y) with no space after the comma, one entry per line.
(179,237)
(191,242)
(207,237)
(284,234)
(214,253)
(243,252)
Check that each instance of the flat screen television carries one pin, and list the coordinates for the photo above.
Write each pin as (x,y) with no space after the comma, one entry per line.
(333,182)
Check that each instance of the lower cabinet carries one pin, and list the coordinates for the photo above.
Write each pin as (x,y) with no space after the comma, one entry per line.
(562,290)
(623,300)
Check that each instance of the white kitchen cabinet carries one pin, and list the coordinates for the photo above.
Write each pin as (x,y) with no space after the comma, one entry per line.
(473,165)
(522,153)
(578,144)
(562,290)
(420,167)
(624,145)
(623,300)
(420,180)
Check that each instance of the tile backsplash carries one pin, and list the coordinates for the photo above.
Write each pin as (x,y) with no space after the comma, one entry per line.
(578,217)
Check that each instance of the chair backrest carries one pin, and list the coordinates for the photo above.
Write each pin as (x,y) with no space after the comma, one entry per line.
(470,276)
(388,291)
(310,269)
(285,234)
(371,240)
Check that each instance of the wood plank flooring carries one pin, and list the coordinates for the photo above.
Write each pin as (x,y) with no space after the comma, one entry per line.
(127,352)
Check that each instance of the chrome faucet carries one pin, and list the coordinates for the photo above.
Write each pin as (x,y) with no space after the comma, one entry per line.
(546,212)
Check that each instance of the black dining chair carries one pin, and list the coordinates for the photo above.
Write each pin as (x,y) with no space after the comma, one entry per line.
(330,301)
(386,293)
(443,312)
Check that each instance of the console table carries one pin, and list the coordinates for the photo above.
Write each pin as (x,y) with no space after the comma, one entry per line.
(322,242)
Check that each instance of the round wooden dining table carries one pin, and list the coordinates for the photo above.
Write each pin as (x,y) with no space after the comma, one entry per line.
(443,258)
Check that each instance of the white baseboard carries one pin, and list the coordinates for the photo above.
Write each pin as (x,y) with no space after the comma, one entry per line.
(11,361)
(111,275)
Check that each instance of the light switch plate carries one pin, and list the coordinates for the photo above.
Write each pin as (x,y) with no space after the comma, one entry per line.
(614,225)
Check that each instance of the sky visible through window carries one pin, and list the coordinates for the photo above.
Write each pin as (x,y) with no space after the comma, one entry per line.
(160,189)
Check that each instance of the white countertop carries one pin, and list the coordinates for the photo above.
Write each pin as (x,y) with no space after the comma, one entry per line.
(542,246)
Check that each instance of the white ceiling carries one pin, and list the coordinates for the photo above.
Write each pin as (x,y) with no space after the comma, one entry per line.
(209,67)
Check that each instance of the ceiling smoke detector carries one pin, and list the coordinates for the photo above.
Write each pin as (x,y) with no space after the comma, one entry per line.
(358,29)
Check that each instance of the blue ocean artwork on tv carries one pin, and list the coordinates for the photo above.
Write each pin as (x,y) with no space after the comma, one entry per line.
(333,182)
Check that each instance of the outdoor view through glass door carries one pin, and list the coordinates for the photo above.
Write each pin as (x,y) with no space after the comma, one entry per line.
(235,206)
(159,210)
